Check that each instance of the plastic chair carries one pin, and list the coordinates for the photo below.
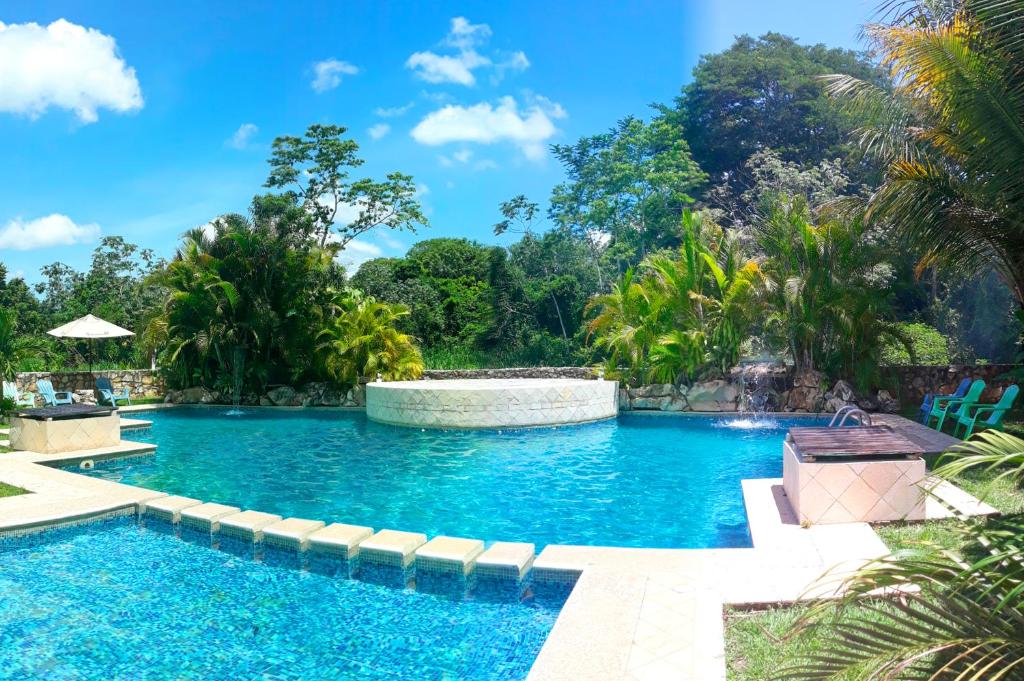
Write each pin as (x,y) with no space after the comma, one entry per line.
(107,393)
(968,417)
(51,397)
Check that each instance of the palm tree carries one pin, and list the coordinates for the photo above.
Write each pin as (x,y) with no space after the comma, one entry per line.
(622,327)
(950,134)
(361,340)
(15,350)
(958,615)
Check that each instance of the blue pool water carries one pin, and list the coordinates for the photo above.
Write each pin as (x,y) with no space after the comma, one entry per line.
(654,481)
(111,600)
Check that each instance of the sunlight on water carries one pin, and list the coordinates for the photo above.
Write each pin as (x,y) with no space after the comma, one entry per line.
(235,412)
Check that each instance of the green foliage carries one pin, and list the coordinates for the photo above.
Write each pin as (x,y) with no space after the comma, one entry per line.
(360,339)
(764,93)
(951,134)
(314,172)
(688,311)
(825,302)
(960,612)
(928,346)
(629,184)
(15,349)
(244,302)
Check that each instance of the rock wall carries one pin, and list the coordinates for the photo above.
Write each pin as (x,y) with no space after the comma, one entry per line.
(140,382)
(912,382)
(309,395)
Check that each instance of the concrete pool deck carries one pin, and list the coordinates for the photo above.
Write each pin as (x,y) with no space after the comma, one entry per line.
(638,614)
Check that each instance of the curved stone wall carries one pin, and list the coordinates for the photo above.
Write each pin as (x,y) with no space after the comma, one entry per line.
(491,403)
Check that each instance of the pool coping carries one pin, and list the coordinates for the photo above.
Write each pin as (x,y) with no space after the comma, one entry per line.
(633,613)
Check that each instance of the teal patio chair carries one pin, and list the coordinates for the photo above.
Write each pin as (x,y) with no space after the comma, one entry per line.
(107,393)
(943,407)
(51,397)
(19,398)
(968,416)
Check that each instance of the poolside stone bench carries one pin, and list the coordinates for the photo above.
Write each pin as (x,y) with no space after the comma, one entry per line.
(339,539)
(392,547)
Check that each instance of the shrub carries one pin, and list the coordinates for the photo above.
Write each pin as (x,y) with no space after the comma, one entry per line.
(929,345)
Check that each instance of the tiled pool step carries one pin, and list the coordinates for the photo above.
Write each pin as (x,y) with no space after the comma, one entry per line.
(404,551)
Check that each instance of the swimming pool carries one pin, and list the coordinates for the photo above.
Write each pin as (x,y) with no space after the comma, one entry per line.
(638,480)
(111,600)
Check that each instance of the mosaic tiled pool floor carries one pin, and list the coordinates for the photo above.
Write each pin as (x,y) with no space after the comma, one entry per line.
(113,600)
(640,481)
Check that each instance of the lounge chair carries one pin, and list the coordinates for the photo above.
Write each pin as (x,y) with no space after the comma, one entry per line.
(968,417)
(926,406)
(19,398)
(943,407)
(107,394)
(51,397)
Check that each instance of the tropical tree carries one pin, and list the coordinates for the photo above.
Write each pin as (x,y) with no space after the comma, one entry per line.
(15,349)
(314,172)
(764,93)
(627,189)
(360,339)
(688,311)
(950,133)
(823,285)
(955,614)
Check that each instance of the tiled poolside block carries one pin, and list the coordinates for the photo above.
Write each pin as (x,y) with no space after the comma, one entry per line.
(506,560)
(168,508)
(339,539)
(489,403)
(247,525)
(391,547)
(853,491)
(292,533)
(452,555)
(206,517)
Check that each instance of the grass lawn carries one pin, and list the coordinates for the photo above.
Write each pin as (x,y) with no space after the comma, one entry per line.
(10,490)
(756,642)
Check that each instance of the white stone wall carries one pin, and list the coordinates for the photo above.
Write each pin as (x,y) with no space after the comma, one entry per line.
(491,403)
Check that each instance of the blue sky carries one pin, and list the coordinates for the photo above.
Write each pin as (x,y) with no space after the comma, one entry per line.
(148,122)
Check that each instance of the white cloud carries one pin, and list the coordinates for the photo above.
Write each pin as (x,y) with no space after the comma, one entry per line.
(379,130)
(484,123)
(436,68)
(394,111)
(329,72)
(465,37)
(390,241)
(63,65)
(242,136)
(44,232)
(357,252)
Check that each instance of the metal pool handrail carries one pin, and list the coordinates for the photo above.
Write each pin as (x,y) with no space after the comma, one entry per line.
(850,411)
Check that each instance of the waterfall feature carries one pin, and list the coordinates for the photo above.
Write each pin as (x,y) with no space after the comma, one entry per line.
(759,398)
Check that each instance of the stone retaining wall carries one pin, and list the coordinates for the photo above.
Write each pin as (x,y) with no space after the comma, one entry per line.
(140,382)
(912,382)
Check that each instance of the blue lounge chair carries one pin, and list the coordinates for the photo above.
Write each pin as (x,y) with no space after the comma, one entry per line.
(968,417)
(19,398)
(926,406)
(107,393)
(946,407)
(51,397)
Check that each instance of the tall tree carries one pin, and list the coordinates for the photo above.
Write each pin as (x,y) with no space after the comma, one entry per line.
(764,93)
(627,188)
(315,170)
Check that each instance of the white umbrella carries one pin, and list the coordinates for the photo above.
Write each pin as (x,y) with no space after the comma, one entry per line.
(91,328)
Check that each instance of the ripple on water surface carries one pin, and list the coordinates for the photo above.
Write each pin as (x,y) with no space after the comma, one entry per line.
(113,601)
(654,481)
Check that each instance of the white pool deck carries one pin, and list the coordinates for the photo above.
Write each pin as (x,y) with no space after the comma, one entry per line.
(634,614)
